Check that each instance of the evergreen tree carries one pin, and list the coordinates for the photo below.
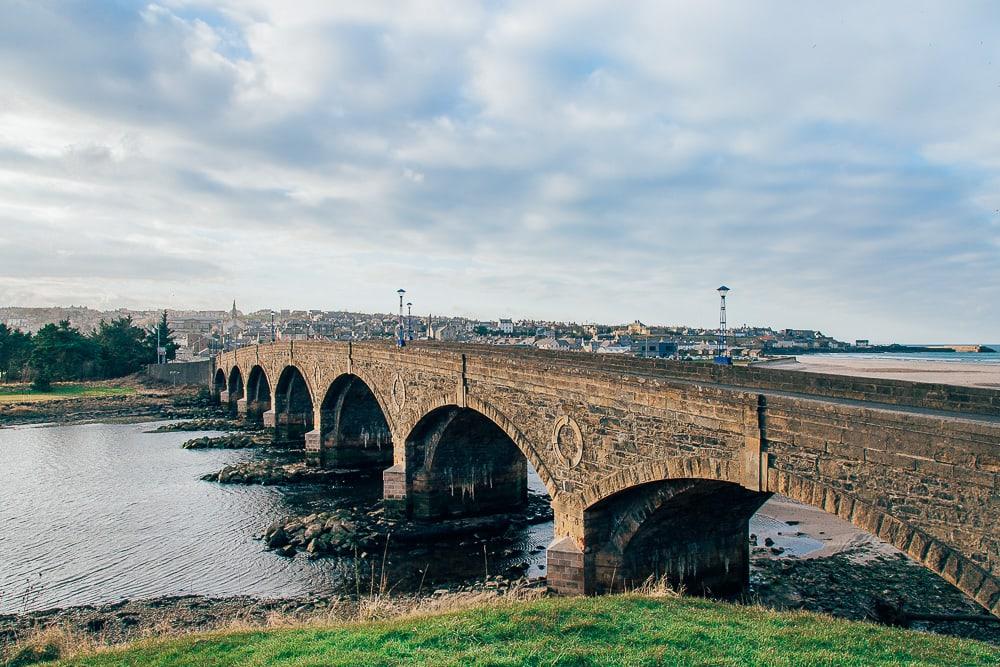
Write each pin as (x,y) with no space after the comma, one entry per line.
(15,350)
(166,336)
(122,347)
(61,352)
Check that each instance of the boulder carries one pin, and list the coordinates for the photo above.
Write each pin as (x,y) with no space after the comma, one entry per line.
(312,531)
(277,539)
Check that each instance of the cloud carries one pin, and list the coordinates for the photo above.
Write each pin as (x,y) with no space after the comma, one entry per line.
(835,164)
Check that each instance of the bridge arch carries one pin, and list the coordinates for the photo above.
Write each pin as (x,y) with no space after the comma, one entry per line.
(236,389)
(691,532)
(354,428)
(219,384)
(293,406)
(462,461)
(680,467)
(624,520)
(490,411)
(235,383)
(258,394)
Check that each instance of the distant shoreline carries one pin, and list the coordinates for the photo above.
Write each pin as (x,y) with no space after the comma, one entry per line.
(984,375)
(896,349)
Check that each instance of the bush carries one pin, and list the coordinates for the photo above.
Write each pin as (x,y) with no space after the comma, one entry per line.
(42,383)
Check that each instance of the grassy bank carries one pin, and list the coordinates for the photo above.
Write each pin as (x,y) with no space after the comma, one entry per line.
(24,393)
(614,630)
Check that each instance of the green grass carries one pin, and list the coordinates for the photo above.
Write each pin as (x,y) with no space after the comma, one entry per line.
(613,630)
(24,393)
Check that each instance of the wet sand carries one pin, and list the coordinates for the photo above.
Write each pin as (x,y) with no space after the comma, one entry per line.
(963,374)
(804,558)
(806,532)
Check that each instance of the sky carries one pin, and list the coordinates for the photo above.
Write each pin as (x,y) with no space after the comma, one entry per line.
(837,165)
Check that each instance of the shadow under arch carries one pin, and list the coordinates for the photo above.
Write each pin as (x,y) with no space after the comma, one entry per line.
(293,406)
(354,428)
(689,532)
(219,384)
(462,462)
(258,394)
(236,388)
(489,411)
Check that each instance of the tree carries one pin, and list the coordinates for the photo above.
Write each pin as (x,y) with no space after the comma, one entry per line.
(166,336)
(61,352)
(15,350)
(122,347)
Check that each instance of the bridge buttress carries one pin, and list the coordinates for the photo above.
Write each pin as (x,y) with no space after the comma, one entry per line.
(394,498)
(314,439)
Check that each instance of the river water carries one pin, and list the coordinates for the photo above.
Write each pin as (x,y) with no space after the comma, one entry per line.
(98,513)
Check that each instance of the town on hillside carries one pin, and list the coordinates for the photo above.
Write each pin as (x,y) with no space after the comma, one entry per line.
(203,333)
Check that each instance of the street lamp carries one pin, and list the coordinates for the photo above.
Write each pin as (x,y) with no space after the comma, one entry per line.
(401,340)
(409,320)
(723,358)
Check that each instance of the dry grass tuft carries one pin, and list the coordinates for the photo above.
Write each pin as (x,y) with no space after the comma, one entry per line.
(60,642)
(48,643)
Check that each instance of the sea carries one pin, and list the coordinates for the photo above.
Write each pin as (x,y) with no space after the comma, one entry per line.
(954,357)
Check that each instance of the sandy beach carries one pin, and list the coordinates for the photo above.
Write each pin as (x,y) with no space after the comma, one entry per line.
(985,375)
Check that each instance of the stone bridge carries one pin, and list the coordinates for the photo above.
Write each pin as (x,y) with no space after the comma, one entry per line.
(653,467)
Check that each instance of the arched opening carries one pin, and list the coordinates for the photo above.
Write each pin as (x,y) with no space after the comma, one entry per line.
(258,395)
(219,386)
(354,430)
(293,407)
(692,533)
(461,463)
(236,389)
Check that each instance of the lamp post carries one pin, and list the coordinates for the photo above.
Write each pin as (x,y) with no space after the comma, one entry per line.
(401,340)
(722,357)
(409,320)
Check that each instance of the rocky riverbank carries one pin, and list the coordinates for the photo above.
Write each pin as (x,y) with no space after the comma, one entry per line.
(270,473)
(864,583)
(352,530)
(210,423)
(229,441)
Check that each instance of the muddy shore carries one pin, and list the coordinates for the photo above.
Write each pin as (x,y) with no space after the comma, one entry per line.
(151,401)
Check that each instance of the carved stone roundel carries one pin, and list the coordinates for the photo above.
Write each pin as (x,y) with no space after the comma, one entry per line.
(398,392)
(568,441)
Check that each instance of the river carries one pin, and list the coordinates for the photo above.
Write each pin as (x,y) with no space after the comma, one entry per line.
(98,513)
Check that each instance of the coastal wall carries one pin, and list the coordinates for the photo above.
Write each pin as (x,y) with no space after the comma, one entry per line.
(188,372)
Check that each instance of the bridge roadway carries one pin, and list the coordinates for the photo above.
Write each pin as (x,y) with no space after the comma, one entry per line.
(653,467)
